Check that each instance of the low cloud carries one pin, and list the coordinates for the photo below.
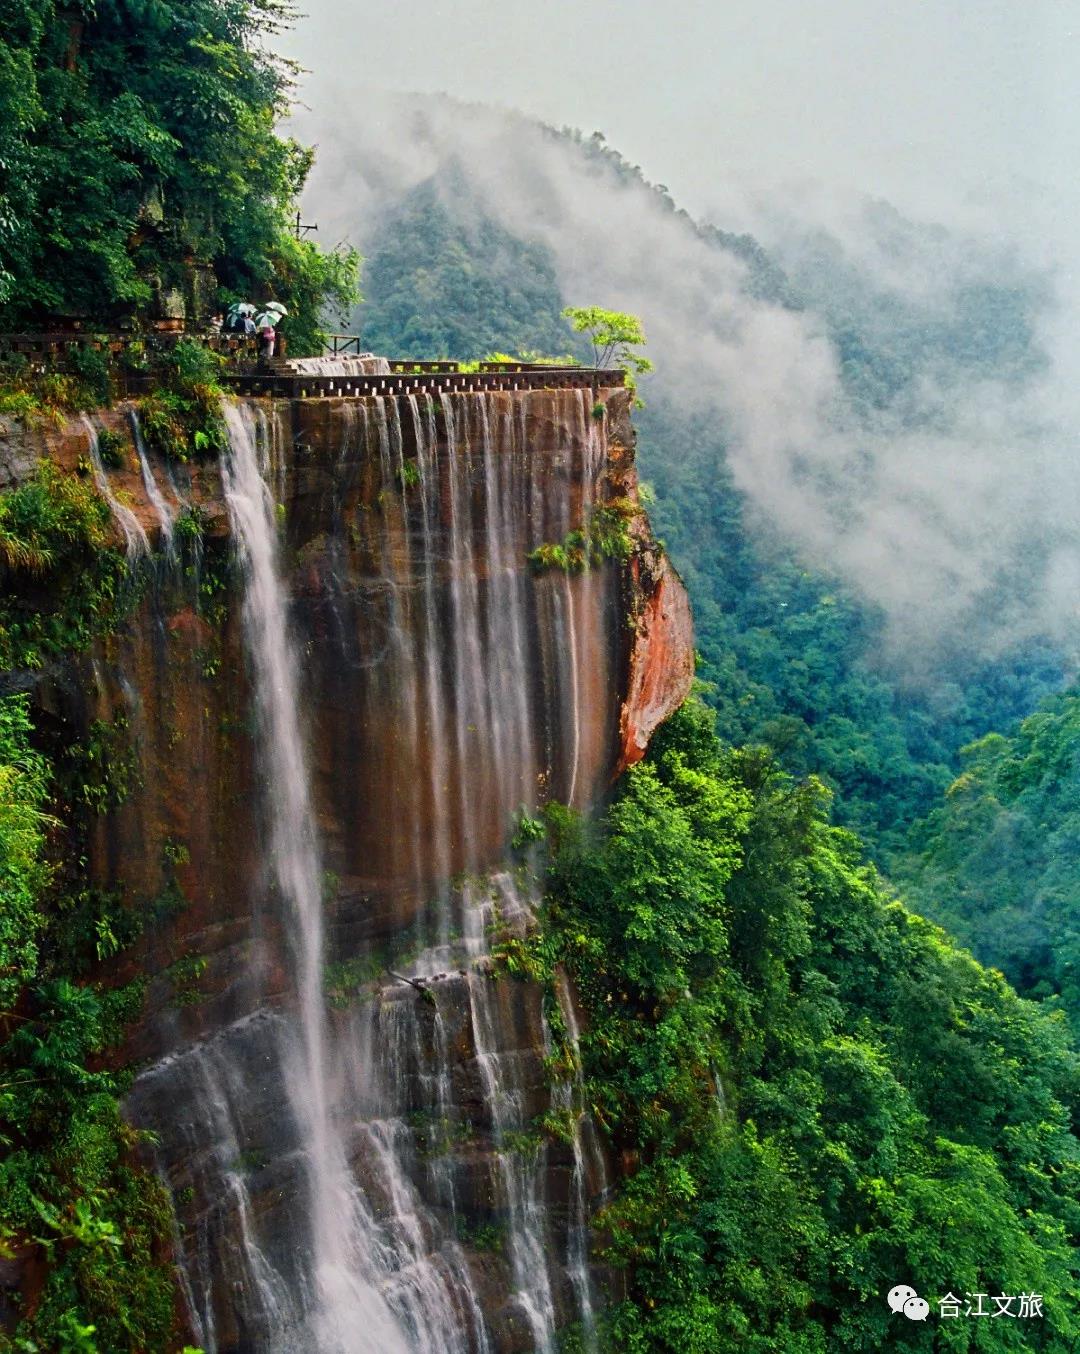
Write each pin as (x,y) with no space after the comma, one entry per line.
(950,500)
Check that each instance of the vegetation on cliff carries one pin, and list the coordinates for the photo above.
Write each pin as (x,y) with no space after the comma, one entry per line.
(137,146)
(605,535)
(89,1225)
(819,1095)
(182,418)
(614,338)
(61,580)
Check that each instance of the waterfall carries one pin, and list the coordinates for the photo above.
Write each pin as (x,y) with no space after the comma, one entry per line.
(519,1174)
(363,364)
(364,1174)
(165,515)
(135,540)
(346,1296)
(588,1167)
(490,692)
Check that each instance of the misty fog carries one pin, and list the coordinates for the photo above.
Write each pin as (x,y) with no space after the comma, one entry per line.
(951,502)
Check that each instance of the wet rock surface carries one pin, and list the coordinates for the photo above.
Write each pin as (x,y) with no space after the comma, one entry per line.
(443,687)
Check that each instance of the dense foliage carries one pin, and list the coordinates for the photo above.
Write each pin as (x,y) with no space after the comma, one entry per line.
(22,841)
(443,284)
(820,1096)
(999,861)
(137,140)
(182,418)
(70,1193)
(60,582)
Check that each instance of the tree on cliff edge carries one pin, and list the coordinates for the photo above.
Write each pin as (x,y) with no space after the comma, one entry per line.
(614,336)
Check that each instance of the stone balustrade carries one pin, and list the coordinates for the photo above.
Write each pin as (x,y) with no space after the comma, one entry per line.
(431,379)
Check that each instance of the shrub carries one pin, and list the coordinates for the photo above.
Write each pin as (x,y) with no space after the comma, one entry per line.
(63,568)
(527,830)
(408,475)
(111,448)
(607,536)
(91,369)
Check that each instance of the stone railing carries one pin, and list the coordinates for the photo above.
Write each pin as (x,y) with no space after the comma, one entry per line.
(131,359)
(53,349)
(429,378)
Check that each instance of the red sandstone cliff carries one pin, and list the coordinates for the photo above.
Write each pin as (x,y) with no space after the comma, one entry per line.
(445,686)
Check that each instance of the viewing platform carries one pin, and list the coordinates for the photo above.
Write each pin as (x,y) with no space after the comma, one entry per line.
(344,371)
(415,378)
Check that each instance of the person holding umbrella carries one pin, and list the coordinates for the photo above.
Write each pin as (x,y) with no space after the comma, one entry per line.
(239,320)
(266,323)
(281,314)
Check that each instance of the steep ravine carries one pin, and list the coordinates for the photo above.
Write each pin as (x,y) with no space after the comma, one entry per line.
(335,706)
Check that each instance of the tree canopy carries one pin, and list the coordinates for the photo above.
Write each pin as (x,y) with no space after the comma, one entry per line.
(614,337)
(438,287)
(998,861)
(819,1095)
(138,147)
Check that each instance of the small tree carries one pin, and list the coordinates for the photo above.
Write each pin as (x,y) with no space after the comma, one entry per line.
(613,336)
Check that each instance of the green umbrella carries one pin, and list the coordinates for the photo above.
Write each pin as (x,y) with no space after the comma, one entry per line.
(236,315)
(268,317)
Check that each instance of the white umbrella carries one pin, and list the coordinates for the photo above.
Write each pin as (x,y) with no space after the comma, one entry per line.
(276,305)
(236,314)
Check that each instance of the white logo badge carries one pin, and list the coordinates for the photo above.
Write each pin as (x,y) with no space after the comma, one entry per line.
(903,1298)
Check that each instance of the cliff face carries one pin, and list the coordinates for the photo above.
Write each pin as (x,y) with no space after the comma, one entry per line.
(342,1146)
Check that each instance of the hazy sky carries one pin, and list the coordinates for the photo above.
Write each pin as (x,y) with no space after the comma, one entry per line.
(927,102)
(781,117)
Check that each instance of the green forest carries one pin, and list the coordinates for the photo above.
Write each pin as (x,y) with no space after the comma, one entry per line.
(890,1106)
(139,157)
(996,859)
(826,934)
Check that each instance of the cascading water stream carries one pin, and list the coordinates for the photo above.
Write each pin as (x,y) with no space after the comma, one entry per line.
(351,1163)
(519,1170)
(165,515)
(135,539)
(568,1096)
(346,1298)
(364,364)
(427,460)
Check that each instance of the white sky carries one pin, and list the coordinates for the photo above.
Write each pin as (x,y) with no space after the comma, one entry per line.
(775,116)
(931,103)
